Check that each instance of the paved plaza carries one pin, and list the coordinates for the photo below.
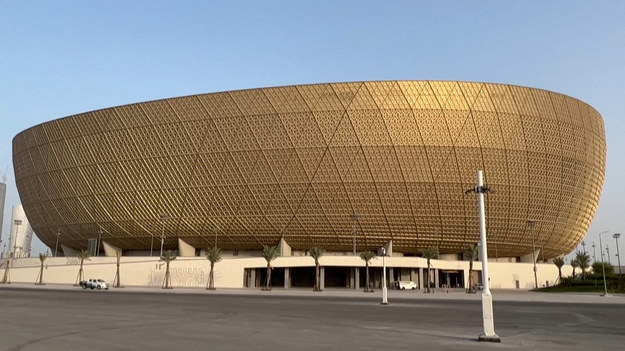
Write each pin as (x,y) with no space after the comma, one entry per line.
(58,317)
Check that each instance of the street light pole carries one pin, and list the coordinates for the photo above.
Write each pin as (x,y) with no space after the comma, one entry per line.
(531,224)
(354,218)
(56,246)
(594,252)
(616,236)
(384,290)
(487,298)
(164,217)
(97,252)
(605,286)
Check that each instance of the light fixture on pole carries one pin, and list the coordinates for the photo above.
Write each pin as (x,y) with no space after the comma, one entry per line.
(605,285)
(354,217)
(164,217)
(487,298)
(384,290)
(616,236)
(56,246)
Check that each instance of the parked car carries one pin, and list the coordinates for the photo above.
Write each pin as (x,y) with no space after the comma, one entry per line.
(405,284)
(98,284)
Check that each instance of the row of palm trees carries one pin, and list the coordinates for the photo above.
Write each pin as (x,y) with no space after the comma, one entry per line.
(213,255)
(581,260)
(270,253)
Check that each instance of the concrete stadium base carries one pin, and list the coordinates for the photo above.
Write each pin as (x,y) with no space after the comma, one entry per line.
(240,272)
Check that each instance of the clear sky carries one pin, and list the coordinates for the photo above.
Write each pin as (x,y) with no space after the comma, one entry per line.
(64,57)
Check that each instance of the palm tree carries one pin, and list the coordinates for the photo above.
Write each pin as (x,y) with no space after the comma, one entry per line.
(168,256)
(270,253)
(82,255)
(430,253)
(213,256)
(559,262)
(117,283)
(6,279)
(583,261)
(574,264)
(367,256)
(42,258)
(472,253)
(316,253)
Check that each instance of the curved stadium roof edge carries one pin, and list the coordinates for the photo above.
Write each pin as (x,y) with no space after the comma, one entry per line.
(260,173)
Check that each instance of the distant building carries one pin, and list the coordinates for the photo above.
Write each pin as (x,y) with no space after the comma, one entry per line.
(21,233)
(3,193)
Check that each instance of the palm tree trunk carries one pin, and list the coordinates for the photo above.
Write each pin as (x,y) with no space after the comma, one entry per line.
(367,277)
(41,274)
(317,278)
(470,276)
(167,277)
(268,281)
(7,273)
(559,274)
(211,278)
(80,275)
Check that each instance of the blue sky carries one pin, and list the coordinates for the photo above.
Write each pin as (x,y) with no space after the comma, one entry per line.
(63,57)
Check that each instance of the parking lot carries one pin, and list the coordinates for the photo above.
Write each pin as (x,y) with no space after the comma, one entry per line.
(135,319)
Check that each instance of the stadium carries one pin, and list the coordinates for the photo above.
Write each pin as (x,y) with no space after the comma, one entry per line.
(342,166)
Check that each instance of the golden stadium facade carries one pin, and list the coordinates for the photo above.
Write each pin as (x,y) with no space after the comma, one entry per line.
(249,167)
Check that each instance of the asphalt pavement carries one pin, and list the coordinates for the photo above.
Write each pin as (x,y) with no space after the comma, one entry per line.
(61,317)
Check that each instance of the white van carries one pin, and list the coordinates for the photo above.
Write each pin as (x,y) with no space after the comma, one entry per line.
(405,284)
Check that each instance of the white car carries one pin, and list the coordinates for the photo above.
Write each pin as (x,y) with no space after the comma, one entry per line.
(94,284)
(405,284)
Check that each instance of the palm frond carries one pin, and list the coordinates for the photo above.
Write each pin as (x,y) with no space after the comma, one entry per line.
(214,254)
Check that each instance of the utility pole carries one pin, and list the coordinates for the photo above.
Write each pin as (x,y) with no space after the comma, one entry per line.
(56,246)
(487,298)
(616,236)
(532,224)
(354,217)
(164,217)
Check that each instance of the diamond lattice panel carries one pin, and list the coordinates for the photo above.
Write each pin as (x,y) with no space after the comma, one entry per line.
(296,161)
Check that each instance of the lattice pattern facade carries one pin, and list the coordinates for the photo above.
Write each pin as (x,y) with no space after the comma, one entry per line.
(249,167)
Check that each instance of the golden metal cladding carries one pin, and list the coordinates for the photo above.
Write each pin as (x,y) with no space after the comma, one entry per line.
(248,167)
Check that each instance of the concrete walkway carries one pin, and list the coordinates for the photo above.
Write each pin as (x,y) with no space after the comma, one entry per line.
(439,294)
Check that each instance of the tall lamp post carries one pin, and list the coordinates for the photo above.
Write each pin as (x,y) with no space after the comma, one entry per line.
(605,286)
(616,236)
(97,250)
(354,217)
(532,224)
(164,217)
(17,223)
(487,298)
(384,290)
(56,246)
